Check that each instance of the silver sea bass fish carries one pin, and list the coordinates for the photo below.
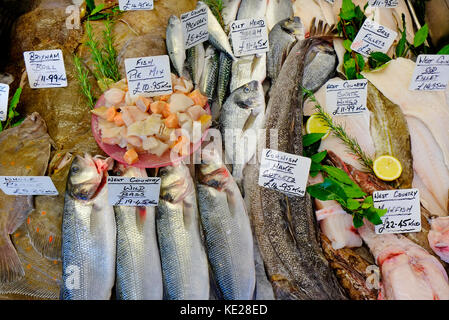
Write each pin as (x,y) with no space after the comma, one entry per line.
(227,229)
(184,261)
(88,232)
(139,272)
(175,44)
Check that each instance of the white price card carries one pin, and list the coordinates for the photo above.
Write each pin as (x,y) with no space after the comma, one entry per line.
(431,73)
(28,186)
(346,97)
(383,3)
(149,76)
(284,172)
(45,69)
(373,37)
(124,191)
(128,5)
(249,36)
(4,94)
(194,26)
(404,210)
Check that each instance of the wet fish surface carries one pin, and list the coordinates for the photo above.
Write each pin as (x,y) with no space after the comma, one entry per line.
(209,77)
(252,9)
(175,44)
(195,62)
(278,10)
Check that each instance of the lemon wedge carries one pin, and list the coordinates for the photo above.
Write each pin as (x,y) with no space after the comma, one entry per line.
(316,125)
(387,168)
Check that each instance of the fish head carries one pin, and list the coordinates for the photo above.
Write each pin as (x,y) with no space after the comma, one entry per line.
(175,183)
(86,176)
(123,170)
(292,25)
(212,171)
(173,20)
(249,96)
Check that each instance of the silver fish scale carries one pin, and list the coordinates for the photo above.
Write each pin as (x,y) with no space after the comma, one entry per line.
(88,243)
(139,275)
(229,256)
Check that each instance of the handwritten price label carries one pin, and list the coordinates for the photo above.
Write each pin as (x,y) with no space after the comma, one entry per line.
(373,37)
(383,3)
(284,172)
(431,73)
(346,97)
(249,36)
(133,192)
(194,25)
(149,76)
(404,211)
(128,5)
(28,186)
(45,69)
(4,94)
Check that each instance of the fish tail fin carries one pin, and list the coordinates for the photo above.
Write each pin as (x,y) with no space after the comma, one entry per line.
(46,243)
(10,265)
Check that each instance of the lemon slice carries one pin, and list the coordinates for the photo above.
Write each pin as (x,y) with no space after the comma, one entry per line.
(387,168)
(316,125)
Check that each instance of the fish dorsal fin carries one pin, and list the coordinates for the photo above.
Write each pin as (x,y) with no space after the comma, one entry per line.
(320,29)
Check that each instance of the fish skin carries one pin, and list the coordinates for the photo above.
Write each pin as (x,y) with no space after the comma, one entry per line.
(318,56)
(217,36)
(44,222)
(241,72)
(252,9)
(245,105)
(259,68)
(285,226)
(183,257)
(195,63)
(209,77)
(32,143)
(229,12)
(88,233)
(175,44)
(224,77)
(281,39)
(390,133)
(278,10)
(227,229)
(139,271)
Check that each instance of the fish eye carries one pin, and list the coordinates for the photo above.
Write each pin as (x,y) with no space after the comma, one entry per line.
(246,89)
(75,169)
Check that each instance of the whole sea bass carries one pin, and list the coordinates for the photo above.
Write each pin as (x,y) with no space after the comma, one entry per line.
(184,261)
(24,151)
(88,232)
(285,226)
(227,229)
(139,273)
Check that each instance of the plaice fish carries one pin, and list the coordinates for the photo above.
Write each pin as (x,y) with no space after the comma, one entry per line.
(139,273)
(282,38)
(42,278)
(175,44)
(183,257)
(285,226)
(25,151)
(227,228)
(195,62)
(43,225)
(252,9)
(278,10)
(209,76)
(88,232)
(242,115)
(390,133)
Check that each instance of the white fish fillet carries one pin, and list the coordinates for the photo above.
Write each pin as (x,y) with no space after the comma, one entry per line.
(439,237)
(427,114)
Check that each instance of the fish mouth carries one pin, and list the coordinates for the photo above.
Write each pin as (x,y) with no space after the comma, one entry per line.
(170,192)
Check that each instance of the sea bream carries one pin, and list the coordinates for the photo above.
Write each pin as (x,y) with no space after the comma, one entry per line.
(183,257)
(226,227)
(139,272)
(278,10)
(88,232)
(25,151)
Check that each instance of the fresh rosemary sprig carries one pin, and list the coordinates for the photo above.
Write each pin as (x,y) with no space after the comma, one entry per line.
(340,132)
(110,58)
(83,79)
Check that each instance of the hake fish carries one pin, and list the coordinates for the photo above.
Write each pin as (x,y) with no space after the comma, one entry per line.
(175,44)
(242,115)
(88,232)
(24,151)
(183,257)
(285,226)
(139,272)
(227,228)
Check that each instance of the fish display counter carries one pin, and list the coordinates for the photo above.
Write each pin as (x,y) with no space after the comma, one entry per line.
(224,150)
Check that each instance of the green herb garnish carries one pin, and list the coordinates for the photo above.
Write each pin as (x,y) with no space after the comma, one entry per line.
(83,79)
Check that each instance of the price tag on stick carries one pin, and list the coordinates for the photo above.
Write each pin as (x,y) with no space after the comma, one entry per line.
(149,76)
(404,210)
(4,94)
(431,73)
(28,186)
(128,5)
(123,191)
(194,26)
(284,172)
(249,36)
(45,69)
